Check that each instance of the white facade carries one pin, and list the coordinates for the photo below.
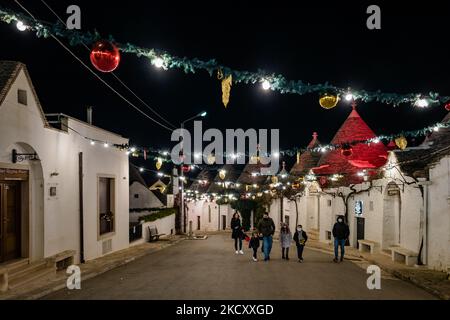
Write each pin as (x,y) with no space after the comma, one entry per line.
(50,198)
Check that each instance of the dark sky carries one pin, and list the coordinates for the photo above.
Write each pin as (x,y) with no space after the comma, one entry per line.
(315,41)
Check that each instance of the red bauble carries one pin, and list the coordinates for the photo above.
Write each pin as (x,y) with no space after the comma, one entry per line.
(347,152)
(186,168)
(105,56)
(447,106)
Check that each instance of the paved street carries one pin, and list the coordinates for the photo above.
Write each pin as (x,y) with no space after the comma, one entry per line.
(209,269)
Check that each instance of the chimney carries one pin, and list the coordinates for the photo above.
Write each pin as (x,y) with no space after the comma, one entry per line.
(89,115)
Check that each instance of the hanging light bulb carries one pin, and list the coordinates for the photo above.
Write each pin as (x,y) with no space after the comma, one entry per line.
(20,26)
(276,155)
(158,62)
(141,169)
(106,145)
(128,153)
(436,129)
(422,103)
(349,97)
(133,150)
(376,140)
(266,85)
(92,143)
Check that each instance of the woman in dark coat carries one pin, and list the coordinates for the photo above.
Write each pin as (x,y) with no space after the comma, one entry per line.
(237,233)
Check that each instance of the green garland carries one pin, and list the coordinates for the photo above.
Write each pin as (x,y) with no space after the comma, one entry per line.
(277,82)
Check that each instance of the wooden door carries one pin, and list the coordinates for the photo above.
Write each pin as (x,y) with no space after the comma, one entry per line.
(360,225)
(10,222)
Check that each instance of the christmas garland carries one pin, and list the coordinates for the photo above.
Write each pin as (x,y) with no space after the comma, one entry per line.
(226,74)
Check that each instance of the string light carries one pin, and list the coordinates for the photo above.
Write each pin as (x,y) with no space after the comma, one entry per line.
(92,143)
(20,26)
(436,129)
(141,169)
(133,149)
(349,97)
(422,103)
(158,62)
(266,85)
(106,145)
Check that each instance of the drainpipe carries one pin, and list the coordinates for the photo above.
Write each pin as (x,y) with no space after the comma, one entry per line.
(80,186)
(425,183)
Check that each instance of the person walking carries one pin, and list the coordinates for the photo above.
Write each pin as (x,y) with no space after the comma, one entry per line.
(285,240)
(254,244)
(266,227)
(237,233)
(300,238)
(341,232)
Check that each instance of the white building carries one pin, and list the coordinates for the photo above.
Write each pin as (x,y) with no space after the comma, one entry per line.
(59,193)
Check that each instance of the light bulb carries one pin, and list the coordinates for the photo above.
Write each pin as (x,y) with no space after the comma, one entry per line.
(197,155)
(436,129)
(276,155)
(422,103)
(266,85)
(92,143)
(20,26)
(141,169)
(349,97)
(376,140)
(133,149)
(106,145)
(158,62)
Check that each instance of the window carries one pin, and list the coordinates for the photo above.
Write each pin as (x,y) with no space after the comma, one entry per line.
(358,207)
(371,205)
(106,205)
(329,203)
(22,97)
(136,196)
(286,220)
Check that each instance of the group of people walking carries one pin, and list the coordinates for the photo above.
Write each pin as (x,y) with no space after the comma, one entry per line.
(266,229)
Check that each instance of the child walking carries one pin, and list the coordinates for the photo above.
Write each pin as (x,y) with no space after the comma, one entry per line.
(285,240)
(254,244)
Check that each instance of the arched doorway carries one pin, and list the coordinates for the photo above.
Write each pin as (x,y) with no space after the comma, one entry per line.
(391,216)
(22,206)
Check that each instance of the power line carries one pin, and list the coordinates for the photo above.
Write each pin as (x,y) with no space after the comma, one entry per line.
(114,75)
(97,76)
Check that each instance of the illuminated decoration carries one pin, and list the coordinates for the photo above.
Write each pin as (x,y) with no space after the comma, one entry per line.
(105,56)
(266,85)
(159,163)
(274,179)
(186,168)
(222,174)
(158,62)
(447,106)
(20,26)
(211,159)
(328,101)
(401,142)
(347,151)
(192,65)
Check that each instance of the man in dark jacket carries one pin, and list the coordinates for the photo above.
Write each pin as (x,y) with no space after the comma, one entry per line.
(300,238)
(341,232)
(266,227)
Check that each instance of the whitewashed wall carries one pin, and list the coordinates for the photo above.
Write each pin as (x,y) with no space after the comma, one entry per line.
(439,216)
(165,226)
(54,221)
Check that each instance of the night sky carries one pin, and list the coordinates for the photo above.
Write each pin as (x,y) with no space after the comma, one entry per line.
(314,41)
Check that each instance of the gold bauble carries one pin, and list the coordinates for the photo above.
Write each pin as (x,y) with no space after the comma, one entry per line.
(328,101)
(222,174)
(211,159)
(274,179)
(401,142)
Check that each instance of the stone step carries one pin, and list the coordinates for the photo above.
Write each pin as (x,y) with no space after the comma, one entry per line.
(26,270)
(30,277)
(15,265)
